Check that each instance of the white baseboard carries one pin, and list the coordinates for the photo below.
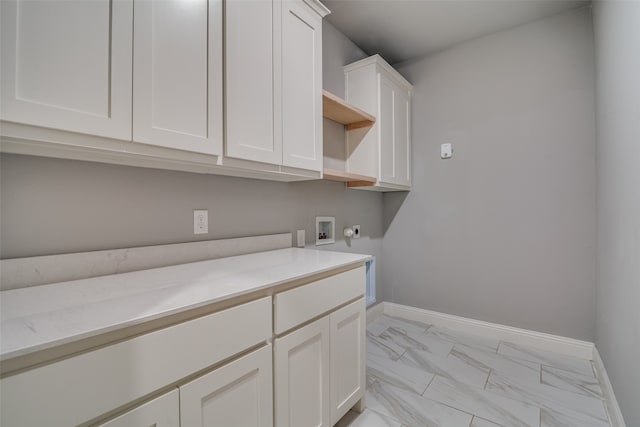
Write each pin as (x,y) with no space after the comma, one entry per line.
(374,312)
(615,416)
(543,341)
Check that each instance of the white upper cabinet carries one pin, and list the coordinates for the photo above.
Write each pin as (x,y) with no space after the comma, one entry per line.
(231,87)
(384,151)
(274,82)
(250,67)
(177,74)
(348,332)
(67,65)
(301,86)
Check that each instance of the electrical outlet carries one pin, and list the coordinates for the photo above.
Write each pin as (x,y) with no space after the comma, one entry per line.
(356,231)
(300,238)
(200,221)
(446,151)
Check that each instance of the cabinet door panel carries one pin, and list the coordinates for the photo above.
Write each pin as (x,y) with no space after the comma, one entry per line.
(236,395)
(250,81)
(67,65)
(302,86)
(348,329)
(177,74)
(302,377)
(402,138)
(162,411)
(386,122)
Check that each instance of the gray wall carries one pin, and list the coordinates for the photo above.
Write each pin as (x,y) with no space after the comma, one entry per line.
(50,206)
(338,51)
(617,35)
(505,230)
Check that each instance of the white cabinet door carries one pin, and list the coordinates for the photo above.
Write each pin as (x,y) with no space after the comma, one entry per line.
(301,86)
(177,74)
(238,394)
(384,151)
(251,96)
(67,65)
(162,411)
(395,144)
(302,377)
(386,135)
(348,329)
(401,137)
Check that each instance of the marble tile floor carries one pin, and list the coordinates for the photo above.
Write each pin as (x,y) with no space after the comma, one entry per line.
(421,375)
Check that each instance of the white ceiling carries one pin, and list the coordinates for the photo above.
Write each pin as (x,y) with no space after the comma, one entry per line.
(405,29)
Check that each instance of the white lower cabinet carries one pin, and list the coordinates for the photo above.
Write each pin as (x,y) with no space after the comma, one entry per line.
(302,377)
(320,369)
(162,411)
(348,332)
(310,377)
(239,394)
(236,395)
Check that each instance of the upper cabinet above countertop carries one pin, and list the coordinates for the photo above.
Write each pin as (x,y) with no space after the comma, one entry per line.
(384,150)
(67,65)
(177,75)
(376,117)
(274,83)
(141,83)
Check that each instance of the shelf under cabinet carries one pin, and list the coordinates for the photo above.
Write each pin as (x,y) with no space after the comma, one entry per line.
(352,179)
(340,111)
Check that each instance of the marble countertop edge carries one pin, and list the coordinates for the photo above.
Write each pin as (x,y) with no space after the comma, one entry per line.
(45,330)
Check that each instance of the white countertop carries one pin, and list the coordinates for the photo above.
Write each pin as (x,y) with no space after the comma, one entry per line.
(41,317)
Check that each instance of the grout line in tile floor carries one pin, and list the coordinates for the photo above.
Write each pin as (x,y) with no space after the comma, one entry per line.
(487,380)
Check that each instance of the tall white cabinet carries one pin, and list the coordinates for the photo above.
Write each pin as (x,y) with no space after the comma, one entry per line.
(177,74)
(274,82)
(67,65)
(384,150)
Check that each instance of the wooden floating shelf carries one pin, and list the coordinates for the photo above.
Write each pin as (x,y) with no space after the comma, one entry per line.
(352,179)
(340,111)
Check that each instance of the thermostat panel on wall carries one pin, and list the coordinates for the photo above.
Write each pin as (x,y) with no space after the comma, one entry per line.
(325,230)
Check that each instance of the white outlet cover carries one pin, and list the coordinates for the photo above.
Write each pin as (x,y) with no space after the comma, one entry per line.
(356,231)
(200,221)
(300,238)
(446,151)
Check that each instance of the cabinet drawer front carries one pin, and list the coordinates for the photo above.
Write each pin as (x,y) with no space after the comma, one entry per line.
(83,387)
(163,411)
(306,302)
